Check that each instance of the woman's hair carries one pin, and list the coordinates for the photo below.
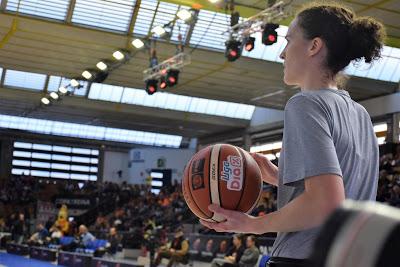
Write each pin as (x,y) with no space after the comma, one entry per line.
(346,36)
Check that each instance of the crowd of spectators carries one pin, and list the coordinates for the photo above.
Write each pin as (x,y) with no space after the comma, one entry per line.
(137,213)
(389,177)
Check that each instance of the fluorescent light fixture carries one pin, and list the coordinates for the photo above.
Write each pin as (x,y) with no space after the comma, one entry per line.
(45,101)
(54,95)
(87,75)
(159,175)
(62,90)
(74,83)
(118,55)
(137,43)
(184,14)
(158,30)
(101,65)
(382,127)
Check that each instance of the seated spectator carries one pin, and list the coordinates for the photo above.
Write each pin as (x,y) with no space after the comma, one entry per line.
(250,254)
(221,250)
(101,223)
(234,254)
(55,234)
(114,241)
(177,252)
(40,236)
(85,236)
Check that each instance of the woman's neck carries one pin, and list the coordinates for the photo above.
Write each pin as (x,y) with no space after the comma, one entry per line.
(314,81)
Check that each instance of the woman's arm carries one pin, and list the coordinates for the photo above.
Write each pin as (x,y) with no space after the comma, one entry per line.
(322,195)
(269,171)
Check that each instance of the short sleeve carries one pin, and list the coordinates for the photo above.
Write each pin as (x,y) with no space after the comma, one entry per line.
(308,146)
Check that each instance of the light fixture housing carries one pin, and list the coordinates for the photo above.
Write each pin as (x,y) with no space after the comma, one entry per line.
(45,100)
(74,83)
(63,90)
(184,14)
(138,44)
(87,75)
(54,95)
(102,66)
(159,30)
(118,55)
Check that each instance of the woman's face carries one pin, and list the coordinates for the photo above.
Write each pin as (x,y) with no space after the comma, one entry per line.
(295,55)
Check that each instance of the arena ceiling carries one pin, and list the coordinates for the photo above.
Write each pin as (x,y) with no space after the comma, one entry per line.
(65,48)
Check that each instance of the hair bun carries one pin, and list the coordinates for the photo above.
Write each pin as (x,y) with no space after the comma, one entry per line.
(366,37)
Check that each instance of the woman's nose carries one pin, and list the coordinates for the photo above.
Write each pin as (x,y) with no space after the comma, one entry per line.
(282,55)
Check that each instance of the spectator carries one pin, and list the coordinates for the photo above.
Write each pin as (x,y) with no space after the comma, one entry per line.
(55,234)
(234,254)
(40,236)
(221,250)
(20,229)
(250,254)
(49,223)
(177,252)
(114,241)
(85,236)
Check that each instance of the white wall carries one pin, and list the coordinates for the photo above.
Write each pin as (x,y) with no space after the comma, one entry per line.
(144,159)
(382,105)
(263,116)
(113,162)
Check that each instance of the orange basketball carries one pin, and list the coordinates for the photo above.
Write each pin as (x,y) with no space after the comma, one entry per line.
(224,175)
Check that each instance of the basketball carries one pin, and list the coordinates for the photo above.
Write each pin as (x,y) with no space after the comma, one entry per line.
(221,174)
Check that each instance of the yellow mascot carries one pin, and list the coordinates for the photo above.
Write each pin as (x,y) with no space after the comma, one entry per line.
(62,219)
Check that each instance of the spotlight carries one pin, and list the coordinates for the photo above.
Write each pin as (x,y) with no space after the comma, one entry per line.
(87,75)
(172,77)
(118,55)
(45,101)
(160,31)
(269,35)
(233,50)
(63,90)
(74,83)
(101,66)
(249,45)
(137,43)
(184,15)
(96,76)
(54,95)
(151,86)
(163,83)
(164,71)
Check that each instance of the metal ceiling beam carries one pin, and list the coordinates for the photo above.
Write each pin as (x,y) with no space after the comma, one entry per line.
(244,10)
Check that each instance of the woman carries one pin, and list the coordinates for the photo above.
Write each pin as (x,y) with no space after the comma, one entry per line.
(329,149)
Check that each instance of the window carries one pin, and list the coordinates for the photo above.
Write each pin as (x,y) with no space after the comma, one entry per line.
(22,79)
(42,160)
(53,9)
(84,131)
(112,15)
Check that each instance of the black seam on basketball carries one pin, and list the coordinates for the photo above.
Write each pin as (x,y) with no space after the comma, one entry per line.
(244,178)
(209,177)
(218,180)
(190,191)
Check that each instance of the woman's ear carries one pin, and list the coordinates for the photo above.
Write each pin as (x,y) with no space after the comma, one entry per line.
(316,46)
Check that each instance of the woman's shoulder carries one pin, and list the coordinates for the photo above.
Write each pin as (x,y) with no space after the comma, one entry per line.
(320,99)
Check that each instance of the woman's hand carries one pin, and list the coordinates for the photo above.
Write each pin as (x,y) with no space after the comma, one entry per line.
(235,221)
(269,171)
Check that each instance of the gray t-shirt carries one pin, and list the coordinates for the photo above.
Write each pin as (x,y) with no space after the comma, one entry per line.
(325,132)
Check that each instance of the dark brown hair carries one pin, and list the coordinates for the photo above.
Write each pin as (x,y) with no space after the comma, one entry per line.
(346,36)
